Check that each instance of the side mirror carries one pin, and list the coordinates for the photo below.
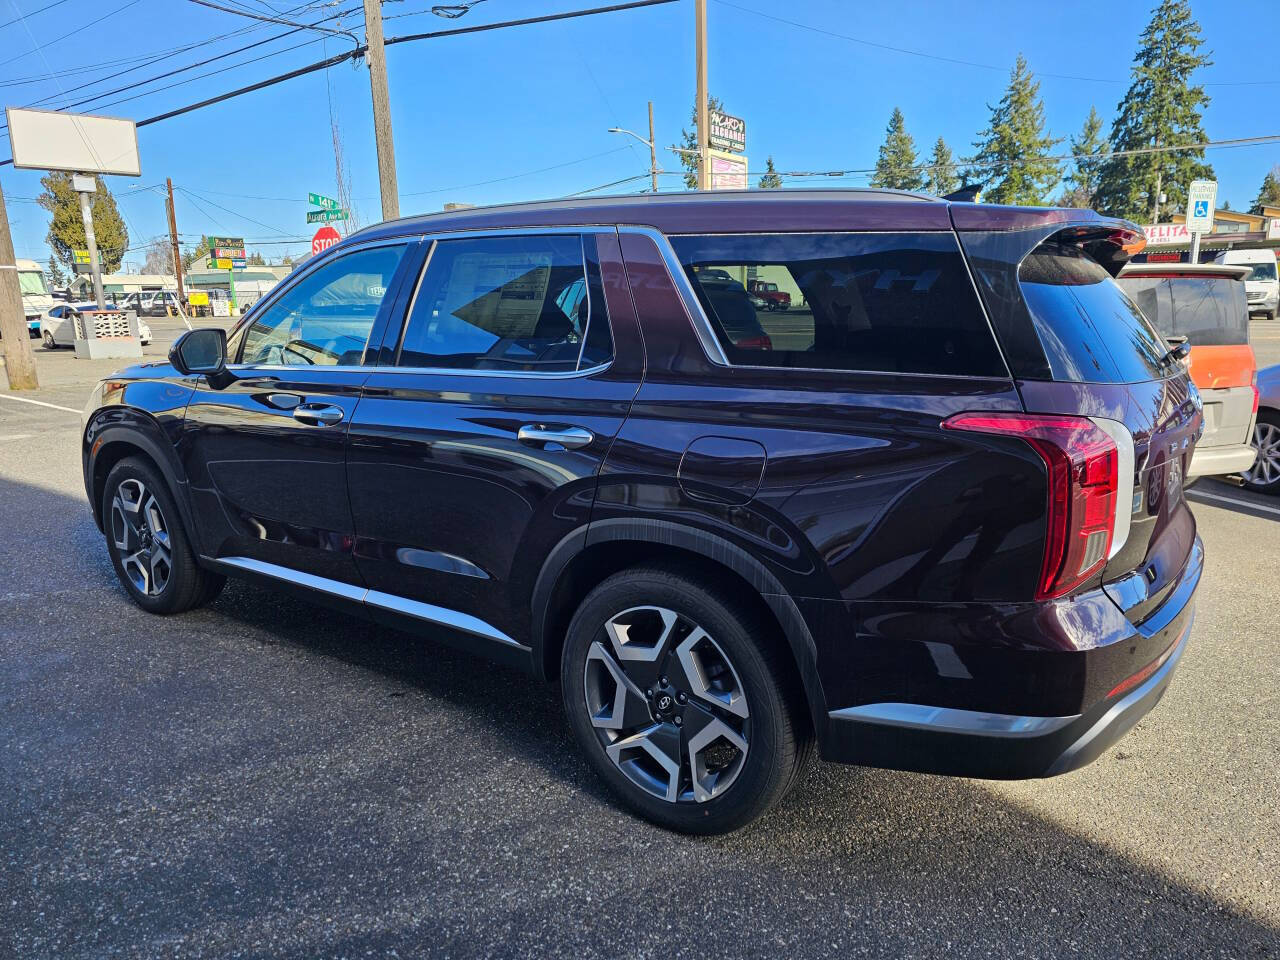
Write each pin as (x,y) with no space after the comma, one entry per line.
(202,351)
(1179,348)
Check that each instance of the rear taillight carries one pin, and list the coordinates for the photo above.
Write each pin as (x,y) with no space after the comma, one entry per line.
(1254,385)
(1082,464)
(761,342)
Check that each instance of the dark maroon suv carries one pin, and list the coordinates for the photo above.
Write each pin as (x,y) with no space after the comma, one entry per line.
(930,519)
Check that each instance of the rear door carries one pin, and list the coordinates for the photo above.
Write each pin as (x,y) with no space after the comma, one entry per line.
(477,443)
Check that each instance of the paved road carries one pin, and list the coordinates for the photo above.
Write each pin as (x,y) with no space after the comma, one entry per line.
(265,778)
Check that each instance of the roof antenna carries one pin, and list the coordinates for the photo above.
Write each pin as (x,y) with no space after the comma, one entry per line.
(966,194)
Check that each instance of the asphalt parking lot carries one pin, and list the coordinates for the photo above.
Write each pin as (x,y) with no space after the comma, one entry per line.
(266,778)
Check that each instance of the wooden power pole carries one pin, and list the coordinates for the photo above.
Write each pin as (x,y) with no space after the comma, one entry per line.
(376,57)
(173,240)
(704,116)
(19,361)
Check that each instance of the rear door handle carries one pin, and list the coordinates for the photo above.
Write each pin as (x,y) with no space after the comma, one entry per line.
(317,414)
(571,438)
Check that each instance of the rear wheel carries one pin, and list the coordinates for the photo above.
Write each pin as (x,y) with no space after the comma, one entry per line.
(1264,475)
(679,702)
(149,548)
(49,342)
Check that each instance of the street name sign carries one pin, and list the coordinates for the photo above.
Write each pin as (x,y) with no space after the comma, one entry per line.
(324,203)
(325,216)
(1202,196)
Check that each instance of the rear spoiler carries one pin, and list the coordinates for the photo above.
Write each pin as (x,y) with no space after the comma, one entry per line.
(1109,240)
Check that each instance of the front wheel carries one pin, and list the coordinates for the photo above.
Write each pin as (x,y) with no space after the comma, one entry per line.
(1264,475)
(49,342)
(680,702)
(149,548)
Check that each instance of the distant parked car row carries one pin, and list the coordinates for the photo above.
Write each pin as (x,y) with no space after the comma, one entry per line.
(57,327)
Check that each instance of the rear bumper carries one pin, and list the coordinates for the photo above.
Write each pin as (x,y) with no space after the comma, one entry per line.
(1218,461)
(1001,746)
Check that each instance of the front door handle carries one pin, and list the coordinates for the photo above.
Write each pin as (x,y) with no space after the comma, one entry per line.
(317,414)
(571,438)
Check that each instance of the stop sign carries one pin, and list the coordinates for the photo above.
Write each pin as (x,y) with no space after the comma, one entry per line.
(325,238)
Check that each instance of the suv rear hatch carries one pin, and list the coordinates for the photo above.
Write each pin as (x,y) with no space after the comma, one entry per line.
(1078,346)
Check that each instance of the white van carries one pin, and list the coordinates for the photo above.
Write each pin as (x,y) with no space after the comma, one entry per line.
(1262,286)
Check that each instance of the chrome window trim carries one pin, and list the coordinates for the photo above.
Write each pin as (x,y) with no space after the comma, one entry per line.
(427,612)
(296,277)
(434,240)
(700,322)
(919,716)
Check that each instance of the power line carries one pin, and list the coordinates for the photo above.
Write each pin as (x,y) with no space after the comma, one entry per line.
(275,230)
(82,27)
(20,16)
(287,23)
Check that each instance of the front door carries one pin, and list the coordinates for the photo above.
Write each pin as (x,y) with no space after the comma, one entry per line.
(265,454)
(475,450)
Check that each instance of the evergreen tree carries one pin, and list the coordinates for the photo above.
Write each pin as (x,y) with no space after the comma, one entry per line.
(689,141)
(57,279)
(1269,192)
(770,180)
(191,256)
(941,177)
(896,165)
(66,226)
(1161,109)
(1013,160)
(1082,182)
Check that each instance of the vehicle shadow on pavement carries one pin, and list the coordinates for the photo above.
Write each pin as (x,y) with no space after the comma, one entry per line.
(266,777)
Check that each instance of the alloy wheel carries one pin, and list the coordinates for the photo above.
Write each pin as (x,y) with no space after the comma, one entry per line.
(140,534)
(667,705)
(1266,468)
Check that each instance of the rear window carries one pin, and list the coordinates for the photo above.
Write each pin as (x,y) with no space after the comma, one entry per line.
(1208,311)
(1091,331)
(895,303)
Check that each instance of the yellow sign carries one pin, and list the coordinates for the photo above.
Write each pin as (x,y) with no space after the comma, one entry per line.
(199,298)
(80,256)
(220,263)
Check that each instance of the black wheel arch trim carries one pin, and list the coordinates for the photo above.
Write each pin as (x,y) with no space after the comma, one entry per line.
(137,429)
(710,546)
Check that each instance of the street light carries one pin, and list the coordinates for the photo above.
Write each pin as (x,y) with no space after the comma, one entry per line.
(653,149)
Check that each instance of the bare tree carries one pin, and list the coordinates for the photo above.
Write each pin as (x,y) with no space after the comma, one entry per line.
(159,257)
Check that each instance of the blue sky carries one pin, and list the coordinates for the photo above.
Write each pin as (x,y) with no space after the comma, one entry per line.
(499,106)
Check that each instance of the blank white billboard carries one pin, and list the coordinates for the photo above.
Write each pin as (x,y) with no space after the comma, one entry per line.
(47,140)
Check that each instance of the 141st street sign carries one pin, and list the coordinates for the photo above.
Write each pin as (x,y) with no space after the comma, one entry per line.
(329,210)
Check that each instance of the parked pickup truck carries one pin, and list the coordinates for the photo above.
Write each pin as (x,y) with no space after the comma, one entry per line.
(769,292)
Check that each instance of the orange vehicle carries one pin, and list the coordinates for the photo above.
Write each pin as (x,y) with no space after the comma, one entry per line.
(1205,304)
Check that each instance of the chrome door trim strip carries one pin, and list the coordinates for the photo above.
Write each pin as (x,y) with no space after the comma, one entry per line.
(430,613)
(336,588)
(440,615)
(918,716)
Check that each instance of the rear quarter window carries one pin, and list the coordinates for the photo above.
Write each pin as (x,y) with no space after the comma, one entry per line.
(879,302)
(1091,330)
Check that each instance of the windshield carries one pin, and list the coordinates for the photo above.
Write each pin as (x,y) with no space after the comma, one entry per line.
(32,282)
(1262,271)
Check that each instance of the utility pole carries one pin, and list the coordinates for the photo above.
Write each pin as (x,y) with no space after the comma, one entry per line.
(653,151)
(704,118)
(376,57)
(19,361)
(87,187)
(173,240)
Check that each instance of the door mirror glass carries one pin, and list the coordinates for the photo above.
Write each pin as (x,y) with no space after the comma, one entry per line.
(200,351)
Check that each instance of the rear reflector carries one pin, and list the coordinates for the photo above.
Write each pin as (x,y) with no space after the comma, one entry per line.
(1082,466)
(1127,684)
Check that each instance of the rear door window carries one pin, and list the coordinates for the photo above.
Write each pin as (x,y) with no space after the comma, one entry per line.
(1091,331)
(1208,311)
(894,303)
(521,303)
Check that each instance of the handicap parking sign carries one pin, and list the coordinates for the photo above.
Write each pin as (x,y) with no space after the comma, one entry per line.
(1202,208)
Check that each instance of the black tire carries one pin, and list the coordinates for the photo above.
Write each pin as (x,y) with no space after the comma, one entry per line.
(49,342)
(776,730)
(1265,435)
(186,585)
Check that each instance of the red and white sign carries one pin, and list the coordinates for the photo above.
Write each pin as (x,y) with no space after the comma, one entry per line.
(325,238)
(1164,234)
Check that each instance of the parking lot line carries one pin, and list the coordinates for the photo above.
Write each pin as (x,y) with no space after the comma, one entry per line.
(38,403)
(1202,495)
